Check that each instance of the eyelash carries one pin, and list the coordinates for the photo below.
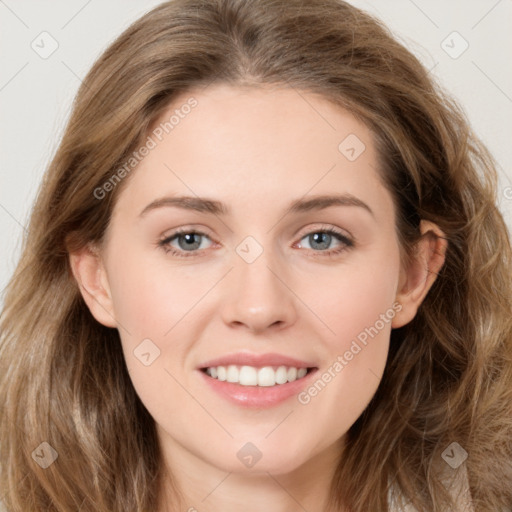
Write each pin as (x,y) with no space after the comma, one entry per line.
(347,243)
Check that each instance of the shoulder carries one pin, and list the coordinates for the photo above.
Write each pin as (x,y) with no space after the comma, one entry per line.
(456,482)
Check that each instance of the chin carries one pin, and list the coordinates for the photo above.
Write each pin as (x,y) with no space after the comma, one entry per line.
(253,458)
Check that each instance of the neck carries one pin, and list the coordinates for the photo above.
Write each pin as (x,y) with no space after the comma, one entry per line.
(192,484)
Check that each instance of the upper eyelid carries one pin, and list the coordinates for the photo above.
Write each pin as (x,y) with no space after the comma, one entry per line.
(325,227)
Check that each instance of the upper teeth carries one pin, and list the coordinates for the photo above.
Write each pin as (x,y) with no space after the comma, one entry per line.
(251,376)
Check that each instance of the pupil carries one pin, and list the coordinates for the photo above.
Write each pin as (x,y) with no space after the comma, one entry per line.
(190,240)
(323,244)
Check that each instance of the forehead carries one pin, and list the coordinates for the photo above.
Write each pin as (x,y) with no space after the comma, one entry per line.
(258,121)
(248,145)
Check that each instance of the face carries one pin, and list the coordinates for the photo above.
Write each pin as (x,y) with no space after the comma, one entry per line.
(283,260)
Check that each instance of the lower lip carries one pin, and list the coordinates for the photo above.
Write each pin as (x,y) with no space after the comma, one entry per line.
(257,396)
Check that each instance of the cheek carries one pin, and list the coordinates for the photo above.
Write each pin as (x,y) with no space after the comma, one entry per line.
(366,299)
(150,297)
(358,309)
(157,307)
(154,307)
(354,297)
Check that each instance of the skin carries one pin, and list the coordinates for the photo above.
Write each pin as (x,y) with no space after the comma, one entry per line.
(256,150)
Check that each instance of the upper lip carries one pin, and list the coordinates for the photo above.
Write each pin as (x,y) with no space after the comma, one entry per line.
(257,360)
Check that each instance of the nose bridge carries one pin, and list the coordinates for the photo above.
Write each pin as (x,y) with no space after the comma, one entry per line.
(256,295)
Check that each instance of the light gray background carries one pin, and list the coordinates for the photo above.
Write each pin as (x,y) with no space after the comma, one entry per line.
(36,93)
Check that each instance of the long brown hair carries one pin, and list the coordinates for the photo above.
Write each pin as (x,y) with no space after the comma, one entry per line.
(63,379)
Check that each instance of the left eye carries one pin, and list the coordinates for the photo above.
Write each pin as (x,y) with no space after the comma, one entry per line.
(320,240)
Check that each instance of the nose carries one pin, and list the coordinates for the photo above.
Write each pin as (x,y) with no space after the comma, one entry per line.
(257,296)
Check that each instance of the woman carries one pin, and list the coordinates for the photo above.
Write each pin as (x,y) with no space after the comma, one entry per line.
(258,369)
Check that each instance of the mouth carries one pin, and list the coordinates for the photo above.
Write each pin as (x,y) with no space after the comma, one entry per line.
(261,381)
(260,387)
(253,376)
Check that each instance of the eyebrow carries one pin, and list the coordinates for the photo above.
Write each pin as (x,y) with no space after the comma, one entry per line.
(214,207)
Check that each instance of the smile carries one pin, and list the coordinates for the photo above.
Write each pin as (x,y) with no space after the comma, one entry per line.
(253,376)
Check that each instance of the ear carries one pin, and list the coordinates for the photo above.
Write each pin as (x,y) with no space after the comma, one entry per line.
(416,280)
(90,274)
